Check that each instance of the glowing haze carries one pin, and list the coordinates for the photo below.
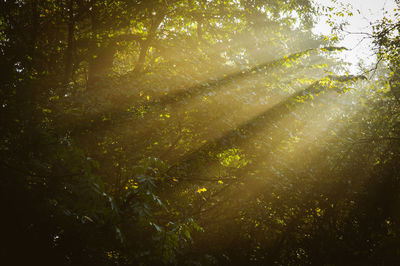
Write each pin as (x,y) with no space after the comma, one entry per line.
(365,13)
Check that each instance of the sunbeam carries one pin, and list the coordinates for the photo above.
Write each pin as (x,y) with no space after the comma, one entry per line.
(198,132)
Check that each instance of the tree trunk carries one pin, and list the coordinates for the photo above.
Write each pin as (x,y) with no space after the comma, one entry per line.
(144,46)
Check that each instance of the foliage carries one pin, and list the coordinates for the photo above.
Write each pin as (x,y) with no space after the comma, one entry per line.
(193,132)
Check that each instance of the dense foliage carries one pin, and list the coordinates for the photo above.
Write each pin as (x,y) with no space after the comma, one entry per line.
(194,132)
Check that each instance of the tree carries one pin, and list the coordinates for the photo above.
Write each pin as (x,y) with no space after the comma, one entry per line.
(189,132)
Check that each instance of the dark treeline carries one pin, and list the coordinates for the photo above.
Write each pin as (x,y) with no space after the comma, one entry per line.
(194,132)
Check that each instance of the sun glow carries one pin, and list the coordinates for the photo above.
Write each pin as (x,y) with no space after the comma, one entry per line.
(198,132)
